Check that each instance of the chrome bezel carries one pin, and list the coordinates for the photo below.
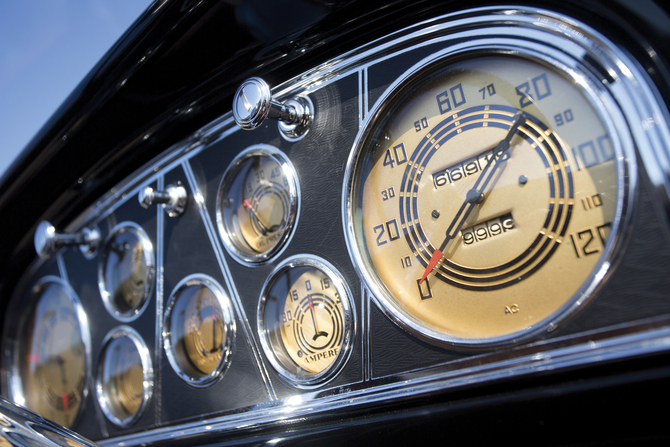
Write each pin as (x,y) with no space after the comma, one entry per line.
(15,387)
(562,56)
(148,254)
(229,323)
(228,236)
(349,315)
(147,373)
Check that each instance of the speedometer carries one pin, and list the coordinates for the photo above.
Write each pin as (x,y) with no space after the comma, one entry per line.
(484,196)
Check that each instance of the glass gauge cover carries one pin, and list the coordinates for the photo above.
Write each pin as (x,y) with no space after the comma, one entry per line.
(306,320)
(125,376)
(199,330)
(257,204)
(126,271)
(485,196)
(51,361)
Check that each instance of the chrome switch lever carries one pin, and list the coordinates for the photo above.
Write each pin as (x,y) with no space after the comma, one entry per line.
(173,199)
(253,103)
(48,242)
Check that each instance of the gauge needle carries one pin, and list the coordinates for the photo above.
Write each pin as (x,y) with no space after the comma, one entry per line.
(316,326)
(61,364)
(474,195)
(264,227)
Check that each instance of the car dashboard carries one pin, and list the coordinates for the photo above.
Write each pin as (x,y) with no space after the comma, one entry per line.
(453,225)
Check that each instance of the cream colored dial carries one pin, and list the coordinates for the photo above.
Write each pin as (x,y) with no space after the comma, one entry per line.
(484,198)
(257,204)
(306,320)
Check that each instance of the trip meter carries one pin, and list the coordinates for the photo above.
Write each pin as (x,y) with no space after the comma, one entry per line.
(485,195)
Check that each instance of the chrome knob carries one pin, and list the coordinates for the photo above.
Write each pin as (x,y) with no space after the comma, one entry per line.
(48,242)
(173,199)
(253,104)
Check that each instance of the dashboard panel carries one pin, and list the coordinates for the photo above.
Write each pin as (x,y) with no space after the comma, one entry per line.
(246,285)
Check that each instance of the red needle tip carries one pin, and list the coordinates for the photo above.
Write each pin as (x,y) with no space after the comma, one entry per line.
(309,300)
(437,255)
(66,405)
(247,204)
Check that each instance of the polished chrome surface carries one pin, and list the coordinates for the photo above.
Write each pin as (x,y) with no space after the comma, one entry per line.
(48,241)
(173,199)
(126,284)
(175,346)
(253,104)
(116,394)
(21,427)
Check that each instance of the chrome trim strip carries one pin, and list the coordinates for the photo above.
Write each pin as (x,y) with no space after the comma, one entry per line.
(365,334)
(160,291)
(227,276)
(414,384)
(61,267)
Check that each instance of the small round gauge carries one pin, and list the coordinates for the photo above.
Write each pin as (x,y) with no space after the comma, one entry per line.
(126,271)
(125,376)
(52,356)
(306,320)
(199,330)
(257,204)
(486,195)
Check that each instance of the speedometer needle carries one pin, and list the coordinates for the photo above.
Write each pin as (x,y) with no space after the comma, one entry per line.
(317,333)
(474,195)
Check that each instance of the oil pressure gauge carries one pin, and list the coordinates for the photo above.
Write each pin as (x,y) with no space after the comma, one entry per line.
(257,204)
(485,195)
(306,320)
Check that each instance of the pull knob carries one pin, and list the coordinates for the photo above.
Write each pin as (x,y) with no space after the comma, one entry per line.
(48,242)
(253,103)
(173,199)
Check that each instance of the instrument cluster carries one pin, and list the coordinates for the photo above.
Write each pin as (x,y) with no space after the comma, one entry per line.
(464,195)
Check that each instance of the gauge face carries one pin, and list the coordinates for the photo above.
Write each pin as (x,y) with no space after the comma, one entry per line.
(126,271)
(52,355)
(200,329)
(306,320)
(483,199)
(257,204)
(124,376)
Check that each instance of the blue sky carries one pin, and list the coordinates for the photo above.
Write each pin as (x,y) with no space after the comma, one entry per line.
(46,48)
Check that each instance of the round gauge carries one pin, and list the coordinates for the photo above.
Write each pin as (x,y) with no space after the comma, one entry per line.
(257,204)
(199,330)
(52,356)
(306,320)
(485,195)
(125,376)
(126,271)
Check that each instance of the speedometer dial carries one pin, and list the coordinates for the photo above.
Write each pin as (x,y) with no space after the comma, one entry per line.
(484,196)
